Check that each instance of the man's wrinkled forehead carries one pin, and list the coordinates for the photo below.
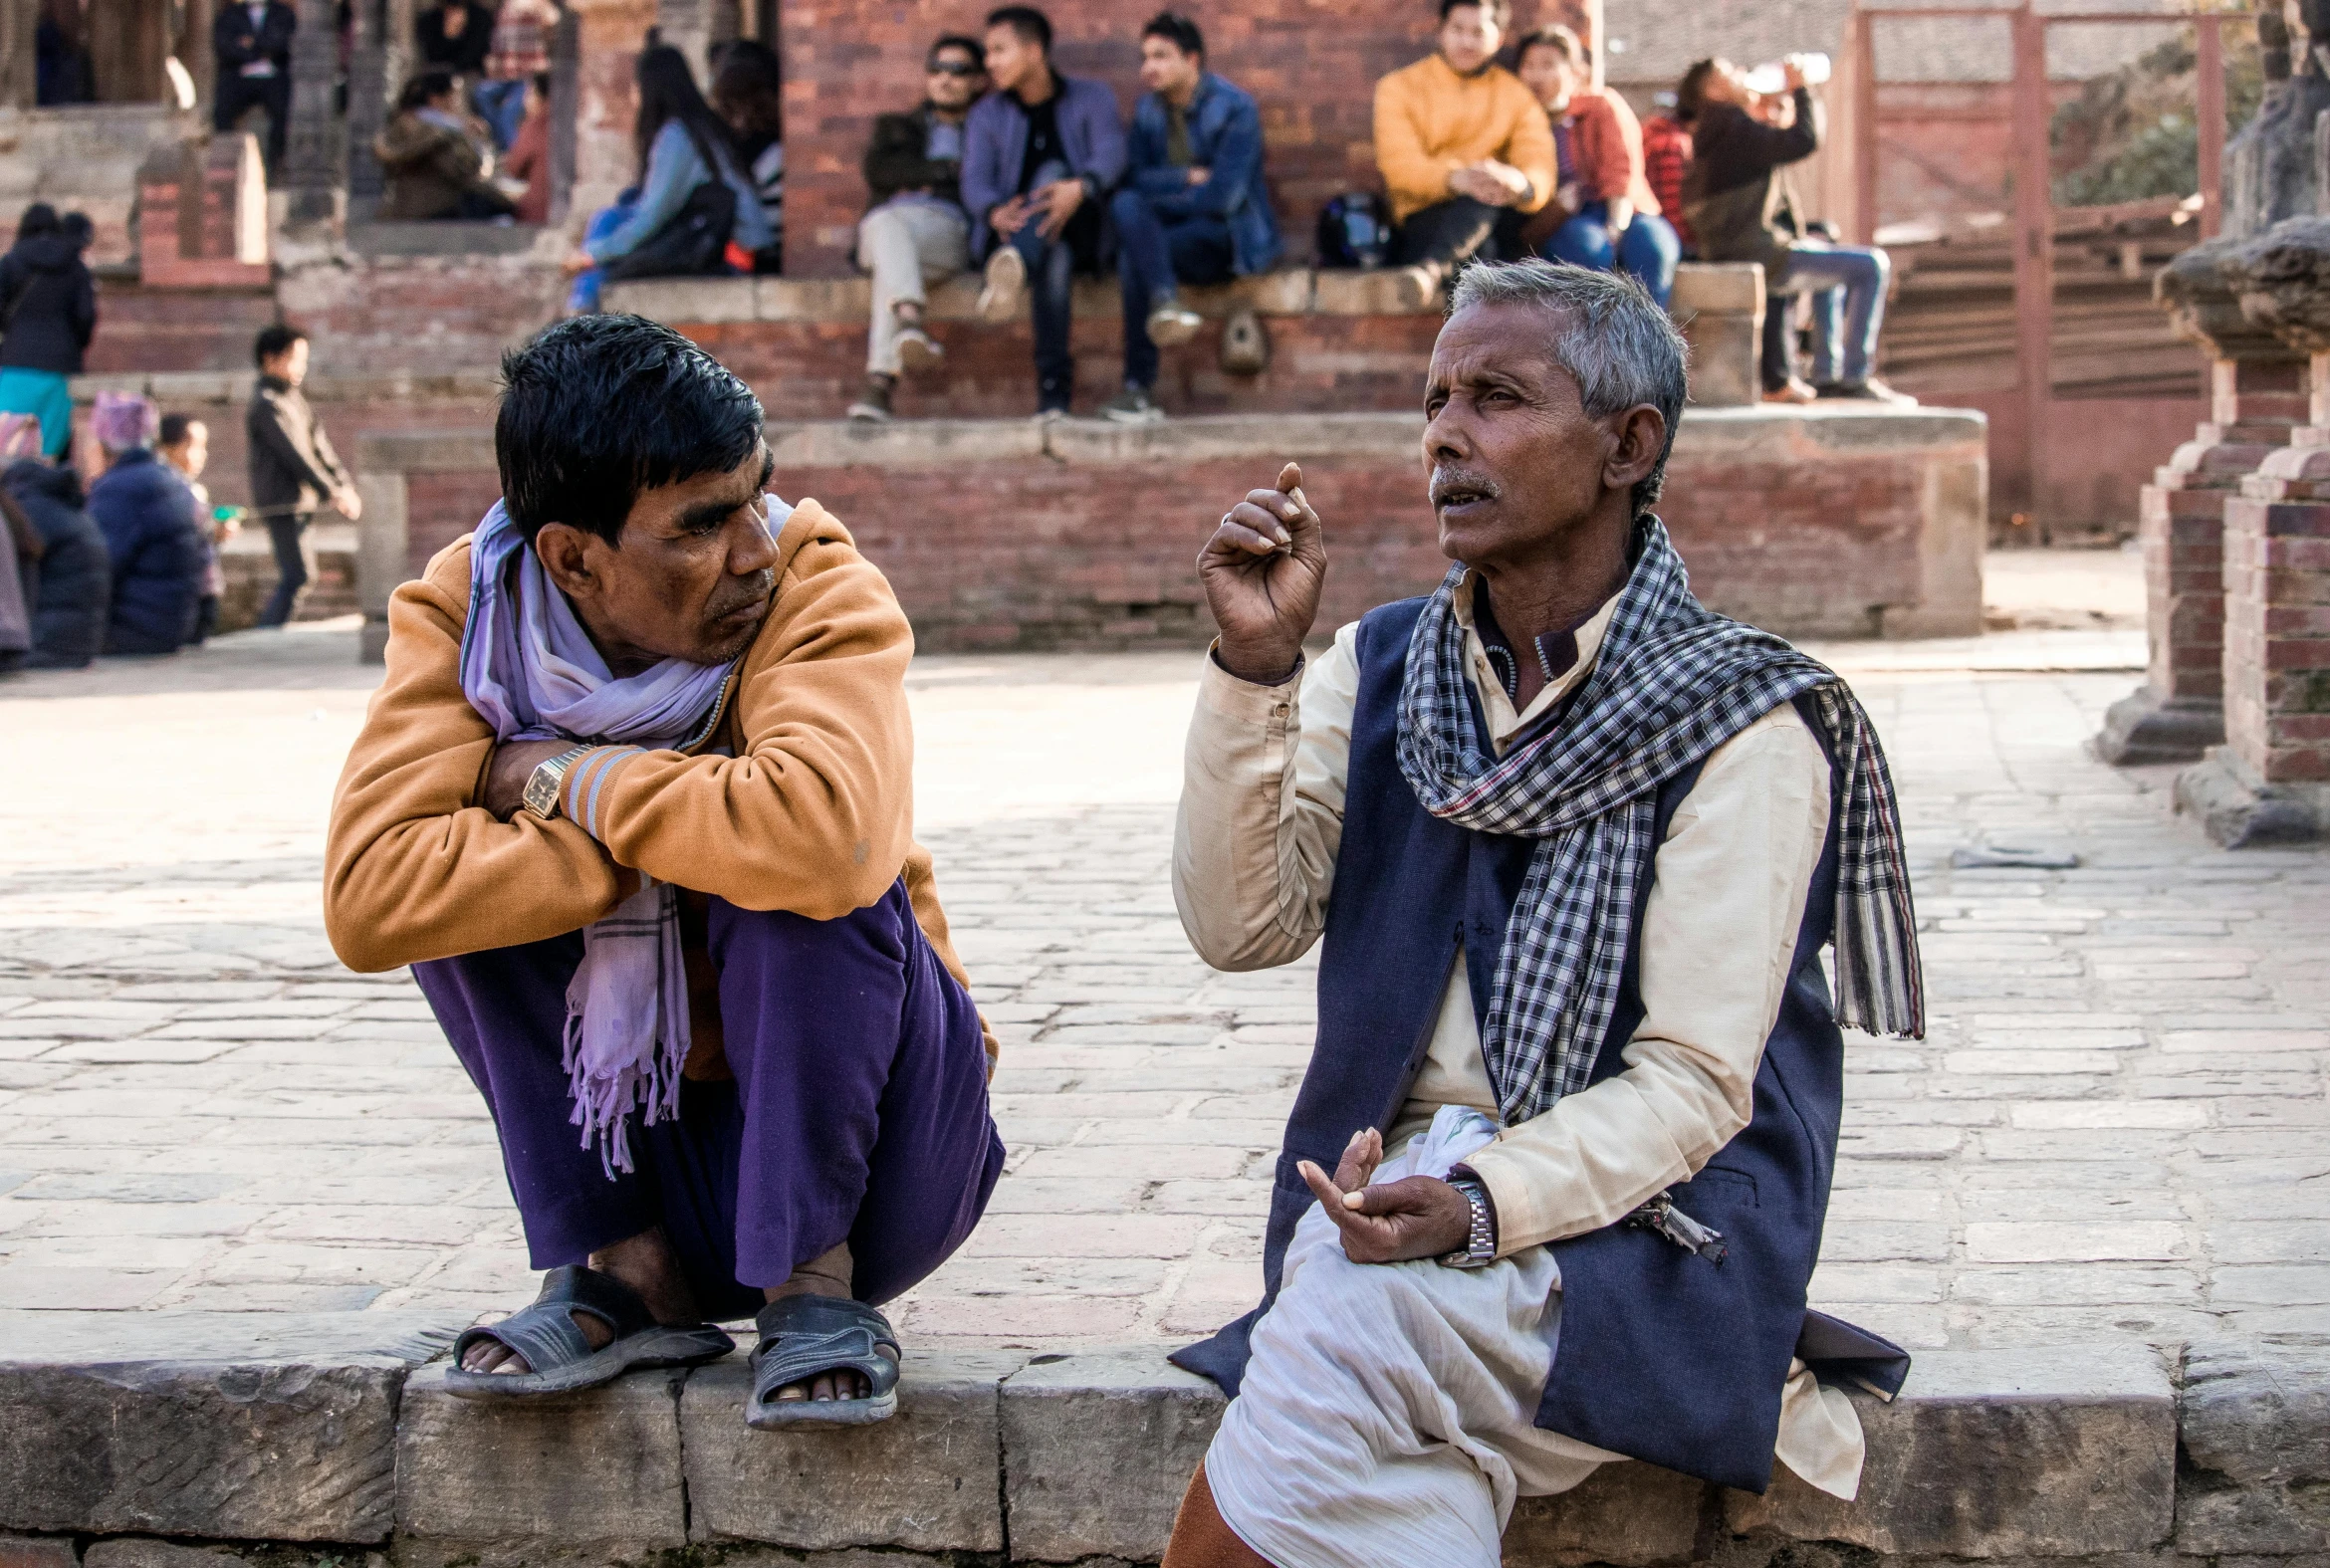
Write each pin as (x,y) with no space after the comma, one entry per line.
(1499,341)
(705,499)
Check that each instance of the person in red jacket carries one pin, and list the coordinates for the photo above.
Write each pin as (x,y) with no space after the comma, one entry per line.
(1666,159)
(1609,218)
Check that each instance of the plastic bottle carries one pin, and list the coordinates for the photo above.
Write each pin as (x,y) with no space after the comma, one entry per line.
(1772,77)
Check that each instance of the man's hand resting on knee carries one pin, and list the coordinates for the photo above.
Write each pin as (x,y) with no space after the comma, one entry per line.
(1419,1216)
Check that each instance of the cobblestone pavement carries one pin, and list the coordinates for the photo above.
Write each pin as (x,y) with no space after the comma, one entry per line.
(2116,1126)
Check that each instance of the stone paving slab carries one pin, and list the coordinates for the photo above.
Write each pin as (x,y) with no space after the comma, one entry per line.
(2116,1129)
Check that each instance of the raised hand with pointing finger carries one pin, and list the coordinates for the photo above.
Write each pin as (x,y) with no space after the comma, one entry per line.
(1262,571)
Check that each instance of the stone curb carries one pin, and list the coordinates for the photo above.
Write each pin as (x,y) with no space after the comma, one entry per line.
(327,1431)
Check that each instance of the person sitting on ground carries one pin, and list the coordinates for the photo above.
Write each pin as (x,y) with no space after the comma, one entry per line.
(1193,207)
(1643,821)
(435,157)
(1040,155)
(695,210)
(153,538)
(1605,214)
(529,157)
(915,232)
(1741,210)
(1666,160)
(518,56)
(636,801)
(294,473)
(1463,150)
(68,578)
(748,93)
(184,445)
(47,299)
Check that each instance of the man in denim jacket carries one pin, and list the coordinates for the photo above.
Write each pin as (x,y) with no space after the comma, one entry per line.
(1193,208)
(1040,155)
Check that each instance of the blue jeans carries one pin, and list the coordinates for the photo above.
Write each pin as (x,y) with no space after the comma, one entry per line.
(1051,289)
(583,297)
(1646,251)
(1153,254)
(1847,284)
(502,105)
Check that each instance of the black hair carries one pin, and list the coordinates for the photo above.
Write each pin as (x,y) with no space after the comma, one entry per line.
(599,408)
(748,90)
(175,428)
(39,219)
(1558,38)
(1691,92)
(1032,25)
(421,87)
(273,340)
(969,46)
(1177,30)
(79,232)
(1500,11)
(668,92)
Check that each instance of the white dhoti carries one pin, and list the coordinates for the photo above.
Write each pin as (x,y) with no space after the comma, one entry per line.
(1388,1412)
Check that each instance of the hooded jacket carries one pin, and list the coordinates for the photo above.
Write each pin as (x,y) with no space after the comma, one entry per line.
(49,300)
(146,514)
(68,587)
(430,167)
(801,799)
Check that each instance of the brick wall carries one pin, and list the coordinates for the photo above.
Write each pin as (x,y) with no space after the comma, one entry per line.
(1004,533)
(1311,64)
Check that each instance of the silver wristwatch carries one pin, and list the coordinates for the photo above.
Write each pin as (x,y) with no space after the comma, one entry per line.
(1480,1249)
(542,785)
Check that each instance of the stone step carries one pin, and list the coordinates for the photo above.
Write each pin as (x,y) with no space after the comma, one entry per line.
(259,1428)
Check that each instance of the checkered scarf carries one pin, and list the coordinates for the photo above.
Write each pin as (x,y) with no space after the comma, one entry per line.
(1672,682)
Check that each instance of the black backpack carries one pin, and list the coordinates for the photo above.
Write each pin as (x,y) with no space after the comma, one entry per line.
(1354,230)
(695,238)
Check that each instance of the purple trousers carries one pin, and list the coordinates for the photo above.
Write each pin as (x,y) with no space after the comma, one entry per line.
(858,1109)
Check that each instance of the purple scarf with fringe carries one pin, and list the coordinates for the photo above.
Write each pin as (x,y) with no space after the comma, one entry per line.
(531,671)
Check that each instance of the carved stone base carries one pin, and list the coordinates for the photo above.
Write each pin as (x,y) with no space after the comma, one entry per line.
(2241,810)
(2144,728)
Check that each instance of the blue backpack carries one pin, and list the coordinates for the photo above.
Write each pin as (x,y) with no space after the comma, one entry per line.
(1354,230)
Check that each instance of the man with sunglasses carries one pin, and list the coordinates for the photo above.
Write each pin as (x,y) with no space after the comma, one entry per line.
(916,231)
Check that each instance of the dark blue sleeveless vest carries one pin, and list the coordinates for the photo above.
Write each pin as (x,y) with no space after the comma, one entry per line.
(1661,1355)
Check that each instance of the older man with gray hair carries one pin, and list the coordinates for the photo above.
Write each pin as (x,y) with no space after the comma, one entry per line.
(1574,844)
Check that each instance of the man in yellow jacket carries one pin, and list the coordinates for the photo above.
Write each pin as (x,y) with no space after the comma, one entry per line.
(635,803)
(1463,147)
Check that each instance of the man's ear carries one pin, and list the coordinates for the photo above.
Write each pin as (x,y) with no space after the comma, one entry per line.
(1639,436)
(565,553)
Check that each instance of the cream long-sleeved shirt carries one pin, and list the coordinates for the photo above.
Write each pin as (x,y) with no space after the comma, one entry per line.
(1260,825)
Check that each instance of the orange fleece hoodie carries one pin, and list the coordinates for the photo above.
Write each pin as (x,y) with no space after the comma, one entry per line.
(812,811)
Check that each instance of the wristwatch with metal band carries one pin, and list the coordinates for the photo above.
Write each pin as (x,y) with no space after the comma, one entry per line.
(541,785)
(1480,1249)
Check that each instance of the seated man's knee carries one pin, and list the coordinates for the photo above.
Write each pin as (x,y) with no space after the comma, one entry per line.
(1128,206)
(1581,242)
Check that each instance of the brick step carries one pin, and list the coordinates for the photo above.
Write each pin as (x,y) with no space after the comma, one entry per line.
(262,1427)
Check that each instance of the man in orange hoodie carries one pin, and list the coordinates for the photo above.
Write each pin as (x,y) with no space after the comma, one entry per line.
(635,803)
(1603,215)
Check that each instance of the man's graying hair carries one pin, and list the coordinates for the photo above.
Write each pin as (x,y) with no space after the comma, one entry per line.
(1614,341)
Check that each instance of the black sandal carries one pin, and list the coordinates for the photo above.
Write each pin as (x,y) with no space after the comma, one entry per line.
(561,1358)
(803,1337)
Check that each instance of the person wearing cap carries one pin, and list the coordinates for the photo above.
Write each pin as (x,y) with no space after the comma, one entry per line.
(152,537)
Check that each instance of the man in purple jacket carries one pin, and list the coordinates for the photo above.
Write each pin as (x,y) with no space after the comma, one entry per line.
(1040,155)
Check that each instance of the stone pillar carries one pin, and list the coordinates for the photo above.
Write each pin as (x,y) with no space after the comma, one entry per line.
(311,169)
(19,19)
(2270,782)
(2256,396)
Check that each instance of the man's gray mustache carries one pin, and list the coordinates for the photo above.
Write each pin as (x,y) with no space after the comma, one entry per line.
(1449,481)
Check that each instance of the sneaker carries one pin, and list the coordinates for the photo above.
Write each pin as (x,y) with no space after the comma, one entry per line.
(1052,413)
(1005,282)
(1872,390)
(1794,391)
(1132,406)
(1415,289)
(918,351)
(873,404)
(1171,325)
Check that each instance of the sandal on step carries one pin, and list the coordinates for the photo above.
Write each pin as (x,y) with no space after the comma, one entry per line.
(803,1337)
(561,1358)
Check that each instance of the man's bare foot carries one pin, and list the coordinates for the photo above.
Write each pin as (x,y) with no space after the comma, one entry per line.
(826,1275)
(646,1263)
